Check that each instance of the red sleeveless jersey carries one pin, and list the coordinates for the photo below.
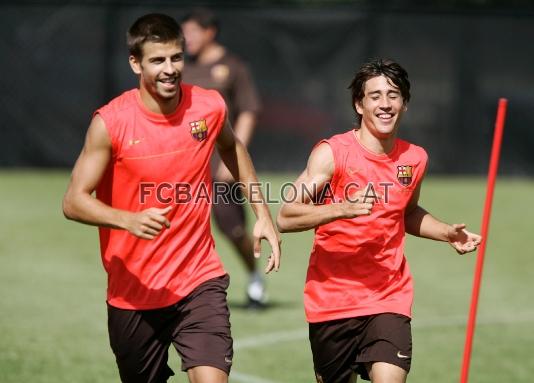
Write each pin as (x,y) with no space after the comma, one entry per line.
(159,161)
(357,266)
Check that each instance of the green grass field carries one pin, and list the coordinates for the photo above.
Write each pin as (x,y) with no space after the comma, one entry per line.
(52,292)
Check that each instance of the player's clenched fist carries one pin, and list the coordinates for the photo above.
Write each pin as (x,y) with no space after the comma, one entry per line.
(359,203)
(147,224)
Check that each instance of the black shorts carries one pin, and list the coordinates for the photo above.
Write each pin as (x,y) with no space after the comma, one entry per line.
(341,347)
(198,326)
(228,210)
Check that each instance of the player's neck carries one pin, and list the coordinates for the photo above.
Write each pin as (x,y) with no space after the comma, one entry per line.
(374,144)
(211,53)
(157,104)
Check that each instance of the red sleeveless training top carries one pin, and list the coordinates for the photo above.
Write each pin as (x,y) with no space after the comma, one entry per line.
(357,266)
(159,161)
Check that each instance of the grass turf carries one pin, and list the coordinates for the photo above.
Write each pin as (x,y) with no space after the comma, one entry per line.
(52,292)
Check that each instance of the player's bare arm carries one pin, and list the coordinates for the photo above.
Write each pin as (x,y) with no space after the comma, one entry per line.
(244,126)
(236,158)
(421,223)
(243,130)
(80,205)
(300,213)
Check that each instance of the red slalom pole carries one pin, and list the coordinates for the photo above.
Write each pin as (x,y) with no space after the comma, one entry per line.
(492,175)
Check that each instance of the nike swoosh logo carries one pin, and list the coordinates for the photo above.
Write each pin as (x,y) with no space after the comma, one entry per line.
(399,355)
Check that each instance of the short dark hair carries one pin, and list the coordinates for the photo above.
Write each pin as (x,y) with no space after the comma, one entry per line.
(374,68)
(203,17)
(154,27)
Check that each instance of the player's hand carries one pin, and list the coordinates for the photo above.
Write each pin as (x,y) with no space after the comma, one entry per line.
(462,240)
(147,224)
(264,229)
(359,203)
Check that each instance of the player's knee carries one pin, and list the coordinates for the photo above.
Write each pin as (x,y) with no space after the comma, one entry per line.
(207,374)
(381,372)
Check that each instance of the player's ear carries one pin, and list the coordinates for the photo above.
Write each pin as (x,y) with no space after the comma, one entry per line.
(404,107)
(358,107)
(212,32)
(135,64)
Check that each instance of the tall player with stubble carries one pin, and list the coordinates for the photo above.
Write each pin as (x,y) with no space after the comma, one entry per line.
(166,284)
(358,293)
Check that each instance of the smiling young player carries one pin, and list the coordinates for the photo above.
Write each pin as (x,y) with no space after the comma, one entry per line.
(166,284)
(358,293)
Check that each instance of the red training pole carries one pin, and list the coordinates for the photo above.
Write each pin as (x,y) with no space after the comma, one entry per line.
(492,175)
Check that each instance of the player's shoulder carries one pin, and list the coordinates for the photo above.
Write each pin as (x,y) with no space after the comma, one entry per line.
(321,158)
(118,107)
(203,98)
(124,101)
(328,147)
(198,93)
(412,149)
(344,139)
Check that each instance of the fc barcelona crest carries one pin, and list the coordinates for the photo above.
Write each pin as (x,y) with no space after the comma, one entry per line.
(404,174)
(199,130)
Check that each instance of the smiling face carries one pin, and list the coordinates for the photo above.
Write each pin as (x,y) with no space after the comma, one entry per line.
(160,70)
(381,107)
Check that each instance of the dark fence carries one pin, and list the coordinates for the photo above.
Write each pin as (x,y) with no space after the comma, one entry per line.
(60,62)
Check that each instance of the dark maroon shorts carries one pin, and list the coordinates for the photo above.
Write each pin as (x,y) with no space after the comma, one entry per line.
(341,347)
(198,326)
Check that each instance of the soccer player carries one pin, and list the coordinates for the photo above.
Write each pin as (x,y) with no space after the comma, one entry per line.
(147,155)
(360,193)
(210,65)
